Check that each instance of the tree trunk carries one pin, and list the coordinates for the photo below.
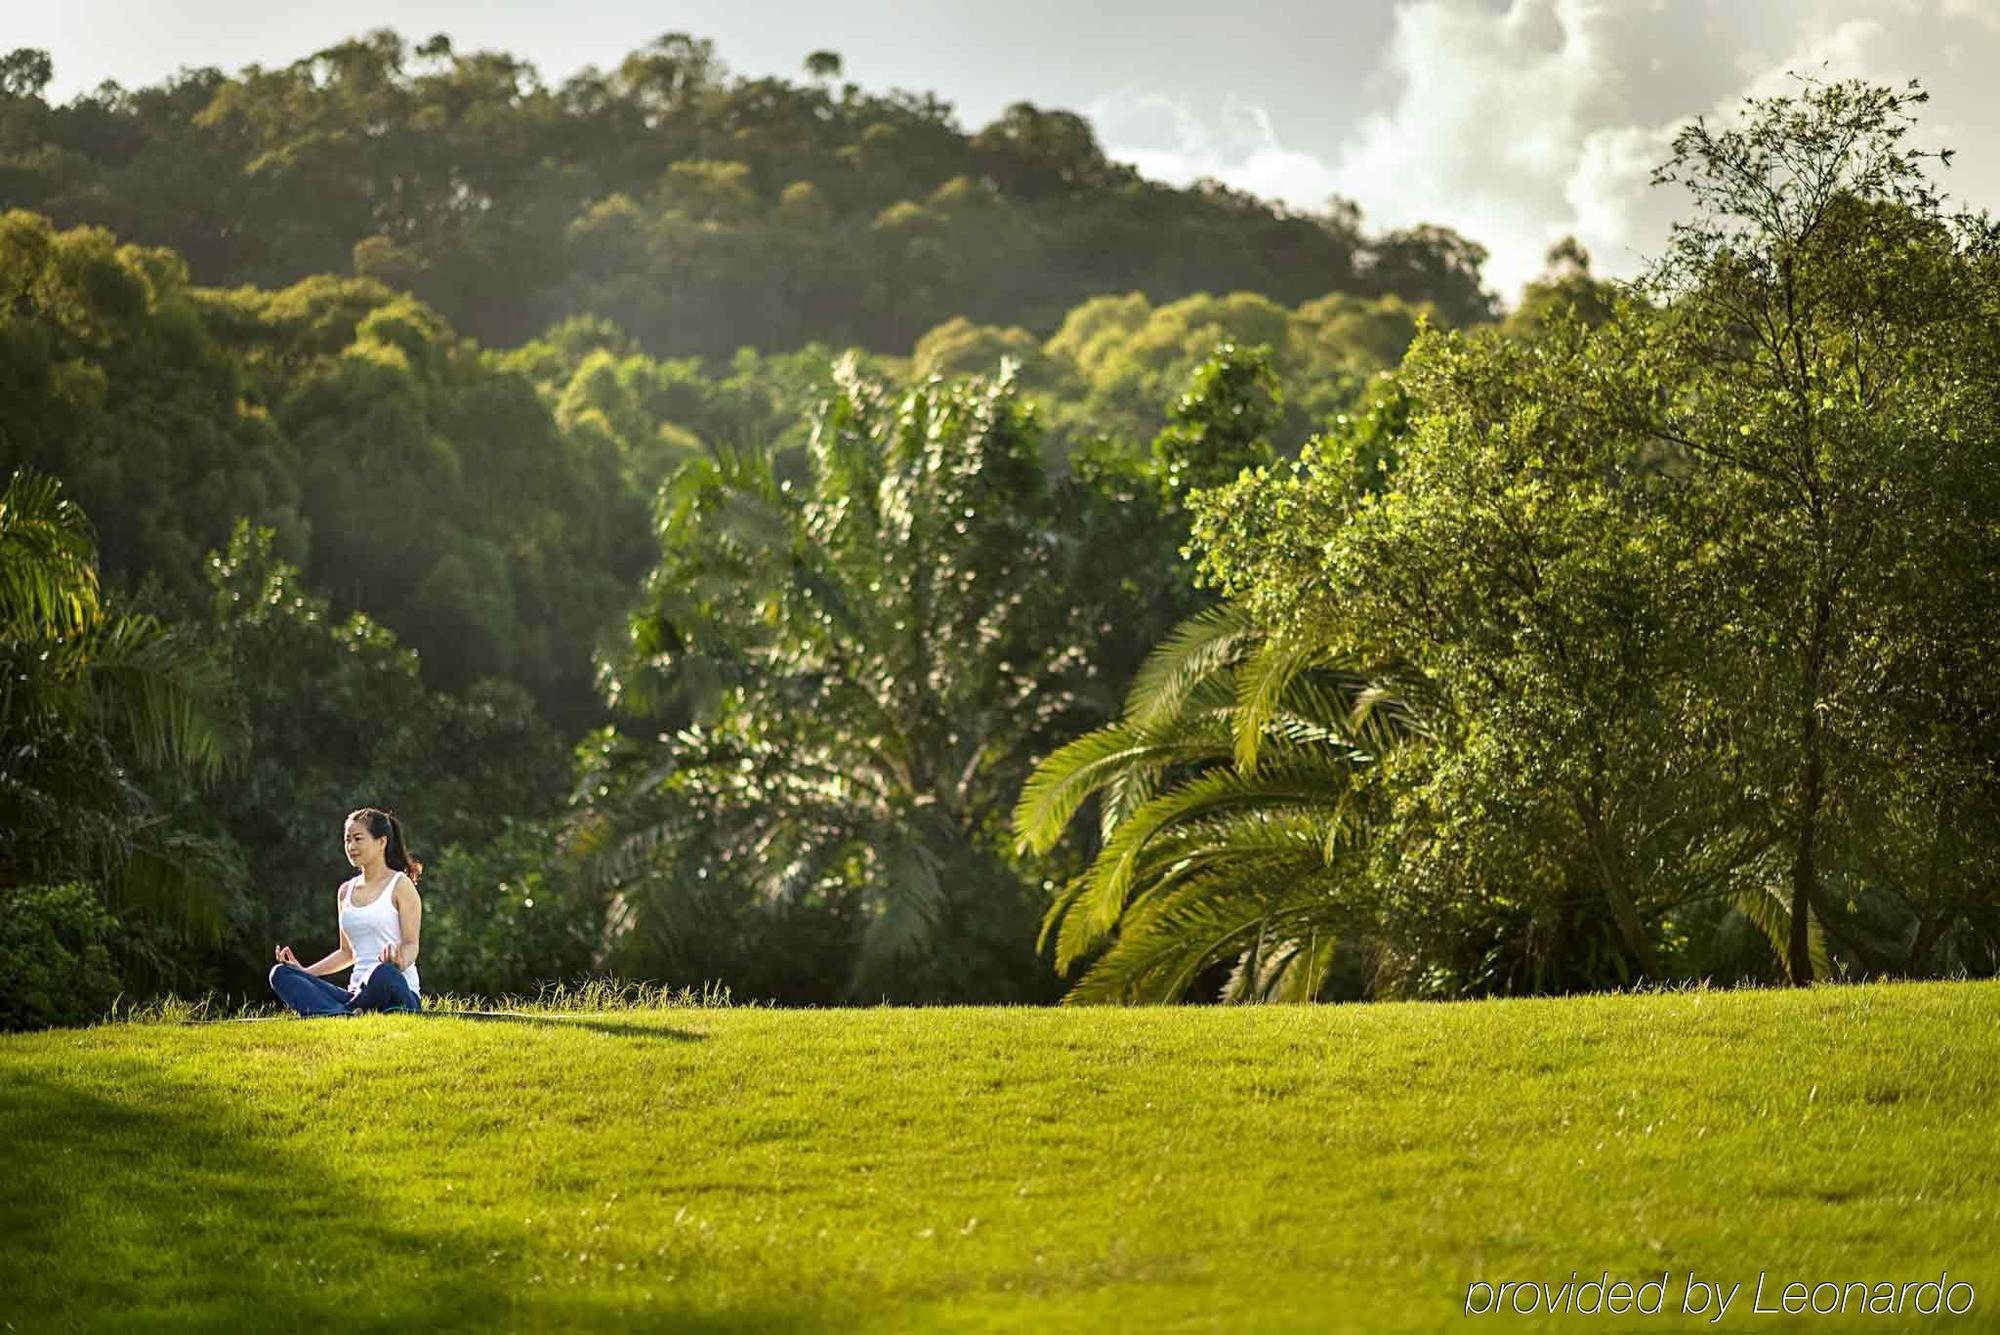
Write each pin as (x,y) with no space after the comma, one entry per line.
(1805,870)
(1804,874)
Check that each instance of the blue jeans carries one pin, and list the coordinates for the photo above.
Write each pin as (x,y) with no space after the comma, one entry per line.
(309,995)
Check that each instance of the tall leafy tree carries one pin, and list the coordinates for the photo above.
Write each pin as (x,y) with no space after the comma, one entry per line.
(1827,368)
(1528,582)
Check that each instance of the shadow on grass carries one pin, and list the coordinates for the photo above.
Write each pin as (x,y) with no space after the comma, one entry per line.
(620,1028)
(150,1205)
(136,1202)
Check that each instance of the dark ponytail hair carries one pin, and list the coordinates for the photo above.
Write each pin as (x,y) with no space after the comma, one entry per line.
(383,825)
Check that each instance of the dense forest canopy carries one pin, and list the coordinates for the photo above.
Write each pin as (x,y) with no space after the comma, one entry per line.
(491,506)
(277,300)
(404,473)
(700,211)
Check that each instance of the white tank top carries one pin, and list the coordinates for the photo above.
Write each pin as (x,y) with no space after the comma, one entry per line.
(370,927)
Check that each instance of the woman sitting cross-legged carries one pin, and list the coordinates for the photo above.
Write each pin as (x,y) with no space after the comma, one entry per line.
(379,915)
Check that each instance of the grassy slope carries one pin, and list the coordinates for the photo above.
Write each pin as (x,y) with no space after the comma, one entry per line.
(1294,1168)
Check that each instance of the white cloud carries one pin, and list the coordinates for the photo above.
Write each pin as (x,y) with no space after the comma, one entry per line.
(1167,141)
(1521,125)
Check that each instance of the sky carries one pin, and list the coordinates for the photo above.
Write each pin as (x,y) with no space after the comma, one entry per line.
(1515,121)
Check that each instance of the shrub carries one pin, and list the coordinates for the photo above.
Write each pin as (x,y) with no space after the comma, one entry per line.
(55,956)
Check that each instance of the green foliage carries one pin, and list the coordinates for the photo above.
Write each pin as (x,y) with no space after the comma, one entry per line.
(1566,287)
(959,347)
(701,211)
(871,659)
(1231,801)
(1222,425)
(48,562)
(1641,636)
(25,72)
(656,414)
(55,964)
(1109,377)
(441,495)
(1825,372)
(1431,263)
(1117,365)
(93,699)
(1535,593)
(508,916)
(1691,600)
(115,385)
(404,472)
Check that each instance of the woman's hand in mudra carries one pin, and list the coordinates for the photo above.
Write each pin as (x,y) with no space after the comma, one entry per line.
(285,956)
(388,956)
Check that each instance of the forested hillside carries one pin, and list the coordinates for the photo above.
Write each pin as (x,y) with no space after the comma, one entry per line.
(701,212)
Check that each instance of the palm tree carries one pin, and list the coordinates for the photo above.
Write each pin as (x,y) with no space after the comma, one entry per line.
(1230,816)
(89,698)
(872,655)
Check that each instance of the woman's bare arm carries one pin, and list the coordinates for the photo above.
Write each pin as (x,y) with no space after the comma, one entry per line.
(410,919)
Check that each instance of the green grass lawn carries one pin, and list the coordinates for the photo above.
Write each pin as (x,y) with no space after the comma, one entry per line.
(1306,1168)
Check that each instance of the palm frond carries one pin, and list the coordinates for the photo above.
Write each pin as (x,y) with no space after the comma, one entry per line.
(1061,782)
(1113,874)
(1260,684)
(1311,837)
(907,908)
(163,695)
(613,857)
(1058,910)
(174,878)
(1382,717)
(1300,966)
(1136,785)
(1204,644)
(48,561)
(1162,949)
